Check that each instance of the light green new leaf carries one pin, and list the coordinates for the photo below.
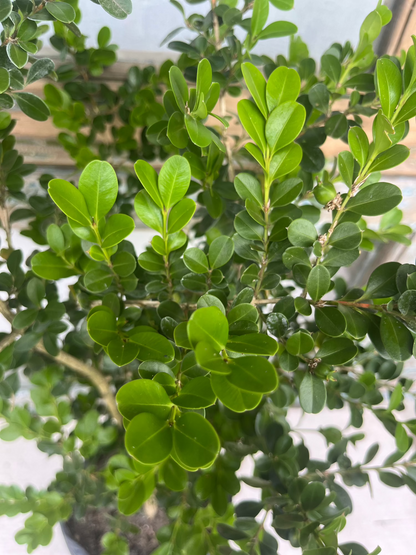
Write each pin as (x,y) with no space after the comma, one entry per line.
(149,213)
(259,17)
(196,394)
(284,124)
(253,374)
(359,145)
(208,325)
(196,260)
(302,233)
(99,186)
(148,178)
(256,84)
(153,346)
(181,215)
(179,87)
(149,439)
(174,180)
(203,78)
(140,396)
(195,441)
(117,228)
(253,122)
(278,29)
(233,397)
(199,134)
(389,85)
(283,85)
(69,199)
(248,187)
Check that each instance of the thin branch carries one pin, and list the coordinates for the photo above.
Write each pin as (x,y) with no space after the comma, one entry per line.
(85,370)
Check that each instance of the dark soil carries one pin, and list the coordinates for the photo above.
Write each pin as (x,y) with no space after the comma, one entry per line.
(89,530)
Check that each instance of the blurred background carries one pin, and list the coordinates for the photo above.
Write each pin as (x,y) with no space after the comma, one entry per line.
(383,516)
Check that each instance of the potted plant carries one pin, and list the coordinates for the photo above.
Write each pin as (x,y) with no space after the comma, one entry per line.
(155,374)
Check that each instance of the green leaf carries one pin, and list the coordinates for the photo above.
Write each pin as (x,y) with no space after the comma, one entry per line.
(99,186)
(337,351)
(35,291)
(375,199)
(232,397)
(4,80)
(203,78)
(174,180)
(283,5)
(102,327)
(397,339)
(256,84)
(253,374)
(199,134)
(149,439)
(248,187)
(119,9)
(259,17)
(69,199)
(220,251)
(173,475)
(321,551)
(143,396)
(17,56)
(252,344)
(331,66)
(346,236)
(284,124)
(40,69)
(330,321)
(319,97)
(195,441)
(61,11)
(153,346)
(346,167)
(253,122)
(25,318)
(359,145)
(312,496)
(32,106)
(123,263)
(49,266)
(208,325)
(278,29)
(312,394)
(388,85)
(300,343)
(283,85)
(179,87)
(390,158)
(149,213)
(5,9)
(148,178)
(181,214)
(286,192)
(98,280)
(131,496)
(408,111)
(247,227)
(285,161)
(122,352)
(117,228)
(302,233)
(196,394)
(196,260)
(382,282)
(401,437)
(176,131)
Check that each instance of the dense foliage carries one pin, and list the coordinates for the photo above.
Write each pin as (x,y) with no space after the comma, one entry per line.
(158,373)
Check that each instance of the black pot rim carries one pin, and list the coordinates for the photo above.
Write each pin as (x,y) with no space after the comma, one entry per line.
(73,546)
